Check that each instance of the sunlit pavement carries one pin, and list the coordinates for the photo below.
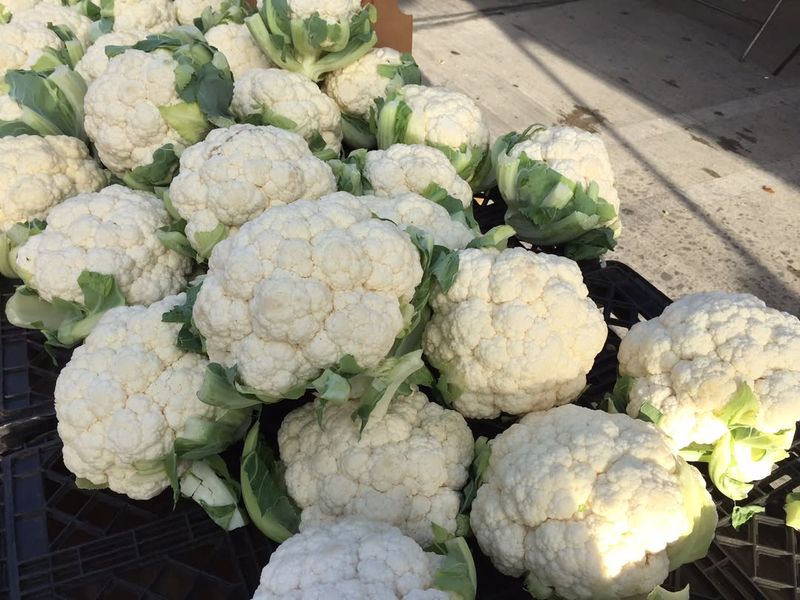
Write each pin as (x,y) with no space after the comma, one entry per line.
(706,149)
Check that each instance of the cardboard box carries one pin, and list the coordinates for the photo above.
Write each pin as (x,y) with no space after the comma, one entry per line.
(394,28)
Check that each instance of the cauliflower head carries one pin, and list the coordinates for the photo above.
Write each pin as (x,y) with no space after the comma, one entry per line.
(112,232)
(239,172)
(300,287)
(236,43)
(689,362)
(153,16)
(125,396)
(413,168)
(288,100)
(47,12)
(590,505)
(576,154)
(95,61)
(122,116)
(333,11)
(36,173)
(350,560)
(355,87)
(515,333)
(405,469)
(21,46)
(187,11)
(15,6)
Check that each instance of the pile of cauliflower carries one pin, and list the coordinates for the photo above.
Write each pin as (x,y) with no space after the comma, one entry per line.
(225,207)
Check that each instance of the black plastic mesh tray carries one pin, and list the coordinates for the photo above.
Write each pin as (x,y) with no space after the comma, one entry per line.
(61,542)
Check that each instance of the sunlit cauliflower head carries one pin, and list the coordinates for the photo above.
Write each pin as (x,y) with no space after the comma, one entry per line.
(95,60)
(515,333)
(112,232)
(413,168)
(689,362)
(21,45)
(153,16)
(302,286)
(350,560)
(236,43)
(36,173)
(240,171)
(406,468)
(125,396)
(332,11)
(591,505)
(46,13)
(122,116)
(289,96)
(189,10)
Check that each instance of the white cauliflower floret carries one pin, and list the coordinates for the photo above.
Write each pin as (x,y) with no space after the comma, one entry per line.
(412,168)
(15,6)
(125,396)
(440,116)
(36,173)
(95,61)
(590,505)
(689,362)
(290,96)
(238,47)
(47,12)
(355,87)
(122,116)
(332,11)
(153,16)
(9,109)
(302,286)
(405,468)
(21,46)
(240,171)
(112,232)
(350,560)
(515,333)
(410,209)
(576,154)
(189,10)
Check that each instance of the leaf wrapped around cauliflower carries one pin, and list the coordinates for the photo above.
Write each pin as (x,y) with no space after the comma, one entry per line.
(358,86)
(236,43)
(98,251)
(312,37)
(559,188)
(364,559)
(155,98)
(290,101)
(128,396)
(442,118)
(589,505)
(235,175)
(405,468)
(36,173)
(717,372)
(515,333)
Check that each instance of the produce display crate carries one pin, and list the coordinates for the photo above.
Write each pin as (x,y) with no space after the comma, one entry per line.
(57,541)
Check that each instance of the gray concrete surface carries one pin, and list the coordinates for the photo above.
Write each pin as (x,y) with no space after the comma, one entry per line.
(706,149)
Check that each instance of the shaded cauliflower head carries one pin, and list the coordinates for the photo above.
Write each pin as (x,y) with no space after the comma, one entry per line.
(21,46)
(238,47)
(591,505)
(350,560)
(45,13)
(125,396)
(515,333)
(689,362)
(412,168)
(409,209)
(576,154)
(405,469)
(289,96)
(154,16)
(112,232)
(302,286)
(36,173)
(95,61)
(122,116)
(239,172)
(187,11)
(355,87)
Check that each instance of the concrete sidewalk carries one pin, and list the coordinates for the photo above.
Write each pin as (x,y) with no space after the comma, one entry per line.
(706,149)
